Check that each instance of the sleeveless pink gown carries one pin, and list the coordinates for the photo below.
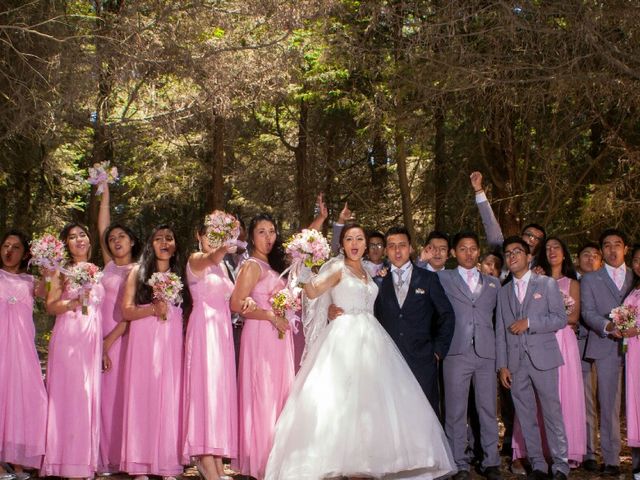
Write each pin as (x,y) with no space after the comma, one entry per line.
(113,281)
(23,398)
(73,385)
(571,396)
(152,379)
(265,377)
(210,399)
(633,379)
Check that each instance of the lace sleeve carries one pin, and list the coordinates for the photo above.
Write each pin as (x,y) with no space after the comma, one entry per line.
(315,311)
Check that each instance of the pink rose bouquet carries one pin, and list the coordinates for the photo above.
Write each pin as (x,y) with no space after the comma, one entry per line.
(101,174)
(48,253)
(221,228)
(624,318)
(307,249)
(569,303)
(286,303)
(167,287)
(81,278)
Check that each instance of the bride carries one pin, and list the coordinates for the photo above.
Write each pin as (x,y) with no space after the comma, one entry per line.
(355,408)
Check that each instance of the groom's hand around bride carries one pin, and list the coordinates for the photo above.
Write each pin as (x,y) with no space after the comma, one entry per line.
(334,312)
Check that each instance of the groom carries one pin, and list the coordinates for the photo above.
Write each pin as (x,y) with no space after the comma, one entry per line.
(414,309)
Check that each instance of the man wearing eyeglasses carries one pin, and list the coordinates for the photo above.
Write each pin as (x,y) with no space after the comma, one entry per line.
(529,311)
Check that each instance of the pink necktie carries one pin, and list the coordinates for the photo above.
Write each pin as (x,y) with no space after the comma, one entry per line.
(520,287)
(470,279)
(618,279)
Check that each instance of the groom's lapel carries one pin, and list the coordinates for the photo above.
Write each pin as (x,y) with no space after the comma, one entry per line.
(388,291)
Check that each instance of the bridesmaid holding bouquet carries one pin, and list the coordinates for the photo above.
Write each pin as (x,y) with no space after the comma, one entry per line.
(120,248)
(210,402)
(73,368)
(152,375)
(266,369)
(23,398)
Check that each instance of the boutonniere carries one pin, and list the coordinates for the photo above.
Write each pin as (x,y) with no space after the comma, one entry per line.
(492,285)
(419,291)
(537,296)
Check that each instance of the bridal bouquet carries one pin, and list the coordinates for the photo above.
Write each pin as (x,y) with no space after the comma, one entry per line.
(221,228)
(81,279)
(286,303)
(624,318)
(102,173)
(307,249)
(48,253)
(569,303)
(167,287)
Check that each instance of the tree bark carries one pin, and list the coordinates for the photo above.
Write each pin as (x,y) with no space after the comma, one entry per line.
(215,152)
(439,171)
(303,196)
(401,162)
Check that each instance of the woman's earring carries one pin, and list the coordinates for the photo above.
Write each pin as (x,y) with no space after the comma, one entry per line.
(200,245)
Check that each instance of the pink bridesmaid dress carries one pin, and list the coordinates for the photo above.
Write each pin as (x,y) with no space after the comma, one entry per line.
(265,376)
(210,397)
(23,398)
(152,381)
(113,281)
(73,385)
(571,396)
(633,379)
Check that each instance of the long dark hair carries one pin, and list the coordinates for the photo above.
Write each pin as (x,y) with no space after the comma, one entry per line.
(136,248)
(149,266)
(24,240)
(276,257)
(64,236)
(568,268)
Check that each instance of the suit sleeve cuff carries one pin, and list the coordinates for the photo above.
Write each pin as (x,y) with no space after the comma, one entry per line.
(481,197)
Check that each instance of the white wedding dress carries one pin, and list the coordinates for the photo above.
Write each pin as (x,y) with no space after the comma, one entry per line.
(355,408)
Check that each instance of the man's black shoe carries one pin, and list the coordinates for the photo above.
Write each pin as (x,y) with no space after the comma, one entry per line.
(537,475)
(559,476)
(590,465)
(462,475)
(492,473)
(612,470)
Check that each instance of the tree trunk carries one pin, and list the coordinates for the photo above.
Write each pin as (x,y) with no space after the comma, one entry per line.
(440,170)
(303,196)
(215,152)
(401,161)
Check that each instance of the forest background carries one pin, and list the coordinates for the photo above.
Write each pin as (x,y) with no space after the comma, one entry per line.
(258,105)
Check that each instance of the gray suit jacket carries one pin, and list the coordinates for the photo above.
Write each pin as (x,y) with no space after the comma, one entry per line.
(544,307)
(473,312)
(598,296)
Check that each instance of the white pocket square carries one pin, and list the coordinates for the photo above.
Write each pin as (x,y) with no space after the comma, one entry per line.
(537,296)
(492,285)
(419,291)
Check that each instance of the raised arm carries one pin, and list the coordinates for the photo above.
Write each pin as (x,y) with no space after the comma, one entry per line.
(199,261)
(345,215)
(492,228)
(327,278)
(104,220)
(323,213)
